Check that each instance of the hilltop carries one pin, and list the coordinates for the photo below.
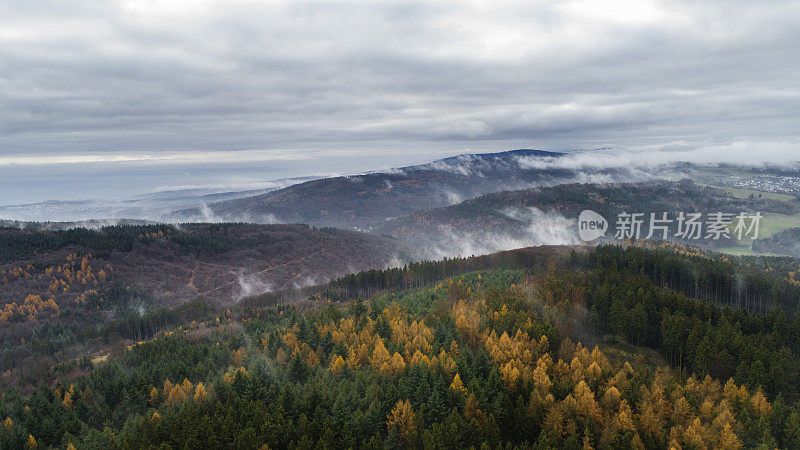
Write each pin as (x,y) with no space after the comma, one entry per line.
(368,200)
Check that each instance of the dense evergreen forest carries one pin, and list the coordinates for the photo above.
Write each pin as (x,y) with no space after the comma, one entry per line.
(209,239)
(613,347)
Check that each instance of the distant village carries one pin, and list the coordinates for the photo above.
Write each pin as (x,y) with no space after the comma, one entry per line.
(768,183)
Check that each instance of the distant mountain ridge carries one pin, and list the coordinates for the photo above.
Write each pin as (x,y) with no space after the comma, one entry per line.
(366,201)
(503,154)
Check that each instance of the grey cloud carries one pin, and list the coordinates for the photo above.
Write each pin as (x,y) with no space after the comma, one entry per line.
(109,76)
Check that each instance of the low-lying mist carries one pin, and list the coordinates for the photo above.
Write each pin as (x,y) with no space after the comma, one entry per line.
(533,228)
(743,153)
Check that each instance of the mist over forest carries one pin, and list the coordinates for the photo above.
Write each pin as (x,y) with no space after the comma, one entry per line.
(386,225)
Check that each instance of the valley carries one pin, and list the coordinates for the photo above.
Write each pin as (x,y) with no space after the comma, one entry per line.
(452,300)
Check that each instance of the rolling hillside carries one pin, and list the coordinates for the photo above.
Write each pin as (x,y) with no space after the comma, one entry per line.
(218,262)
(92,278)
(547,215)
(533,348)
(366,201)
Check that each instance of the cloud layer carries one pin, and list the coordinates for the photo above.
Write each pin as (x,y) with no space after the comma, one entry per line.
(119,77)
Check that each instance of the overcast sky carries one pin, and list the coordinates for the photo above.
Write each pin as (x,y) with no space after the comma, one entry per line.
(180,81)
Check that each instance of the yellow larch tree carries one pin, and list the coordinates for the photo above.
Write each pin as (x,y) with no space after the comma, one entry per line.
(457,385)
(419,358)
(200,393)
(67,401)
(239,356)
(728,440)
(585,403)
(397,364)
(187,386)
(611,399)
(760,403)
(167,388)
(695,433)
(467,321)
(337,364)
(153,399)
(380,358)
(176,395)
(594,372)
(681,411)
(472,410)
(402,419)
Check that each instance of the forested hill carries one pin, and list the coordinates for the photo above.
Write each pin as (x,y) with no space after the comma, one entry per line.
(548,214)
(181,262)
(544,348)
(72,283)
(367,200)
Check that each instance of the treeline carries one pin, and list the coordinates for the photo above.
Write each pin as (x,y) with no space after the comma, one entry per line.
(755,288)
(747,284)
(201,238)
(139,325)
(368,283)
(20,244)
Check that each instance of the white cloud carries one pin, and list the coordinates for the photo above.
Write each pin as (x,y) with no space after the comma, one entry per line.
(739,153)
(187,157)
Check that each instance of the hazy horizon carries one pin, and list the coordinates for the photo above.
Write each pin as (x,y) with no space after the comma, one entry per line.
(118,98)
